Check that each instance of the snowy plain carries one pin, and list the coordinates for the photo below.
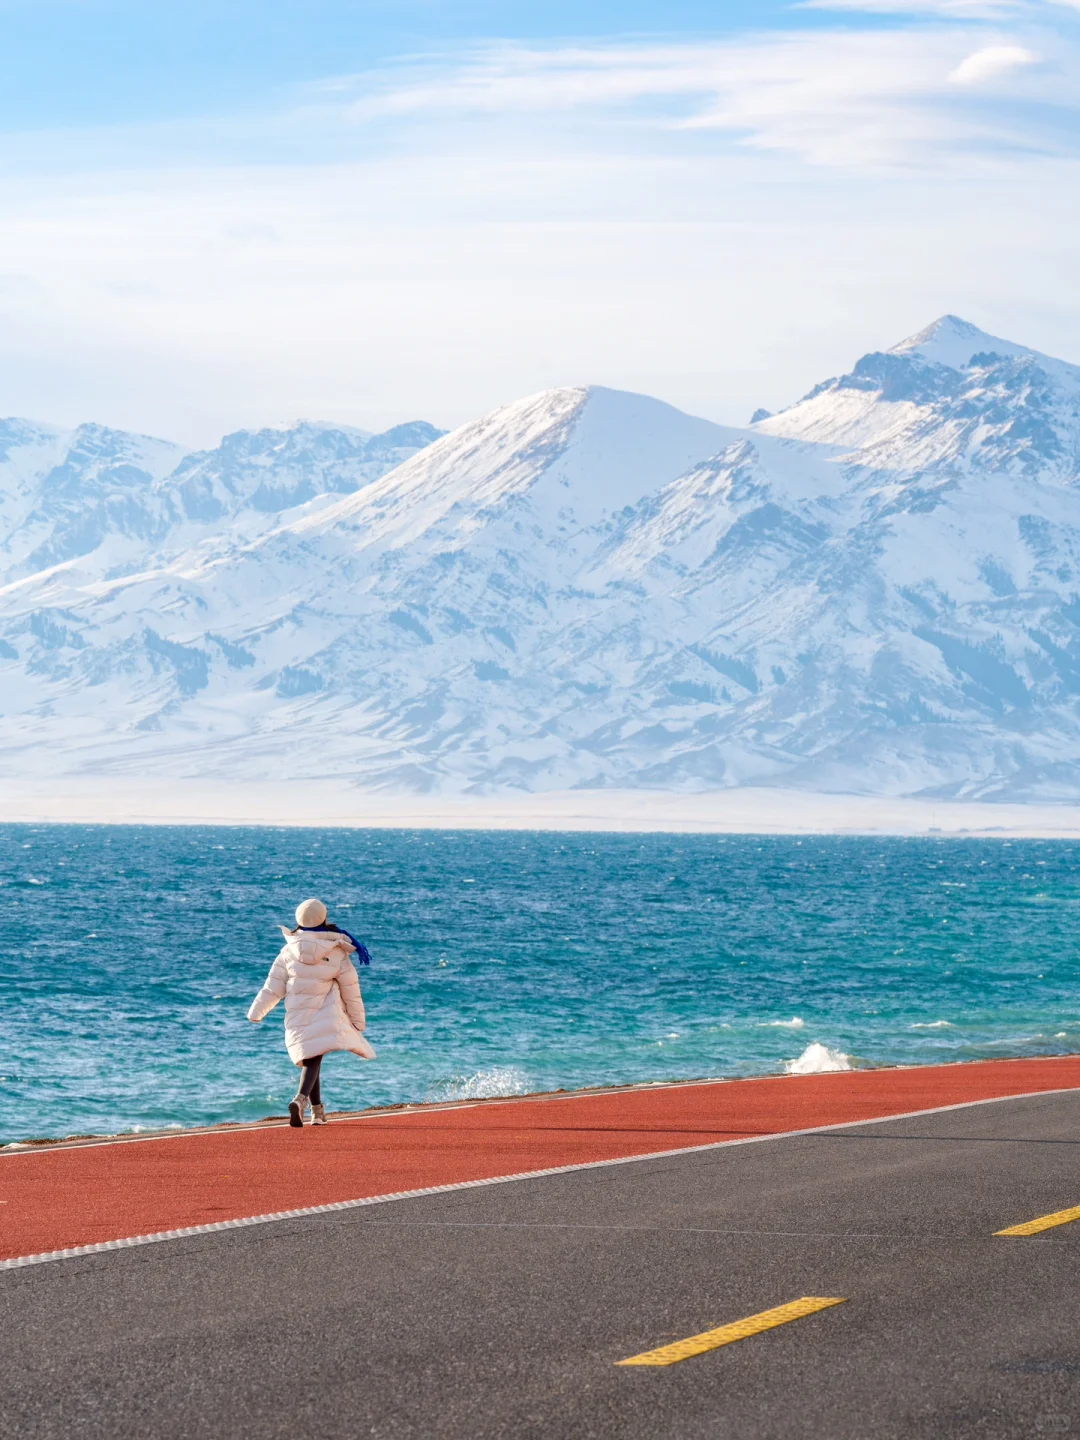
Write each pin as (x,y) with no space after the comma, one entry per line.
(743,811)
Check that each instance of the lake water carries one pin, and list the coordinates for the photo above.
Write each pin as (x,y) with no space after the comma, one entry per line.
(507,963)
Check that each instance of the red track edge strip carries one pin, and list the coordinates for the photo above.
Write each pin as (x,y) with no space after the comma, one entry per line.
(76,1252)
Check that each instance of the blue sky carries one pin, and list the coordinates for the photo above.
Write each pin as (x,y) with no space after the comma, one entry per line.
(88,62)
(224,214)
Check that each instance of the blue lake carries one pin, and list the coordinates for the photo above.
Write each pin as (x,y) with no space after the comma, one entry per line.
(506,963)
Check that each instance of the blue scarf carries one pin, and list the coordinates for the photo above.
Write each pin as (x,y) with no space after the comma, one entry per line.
(363,955)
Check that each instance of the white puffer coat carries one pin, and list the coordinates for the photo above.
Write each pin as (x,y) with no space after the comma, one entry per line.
(324,1010)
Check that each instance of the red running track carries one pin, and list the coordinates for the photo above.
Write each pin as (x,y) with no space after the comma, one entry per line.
(84,1195)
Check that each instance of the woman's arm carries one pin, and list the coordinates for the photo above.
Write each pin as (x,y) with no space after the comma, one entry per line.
(271,992)
(349,986)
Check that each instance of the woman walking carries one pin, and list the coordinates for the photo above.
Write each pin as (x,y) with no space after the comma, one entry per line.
(324,1009)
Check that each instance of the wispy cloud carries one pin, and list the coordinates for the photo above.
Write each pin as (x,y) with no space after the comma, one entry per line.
(868,98)
(991,63)
(950,9)
(946,9)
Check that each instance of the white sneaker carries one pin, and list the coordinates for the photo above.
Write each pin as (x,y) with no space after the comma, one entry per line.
(297,1105)
(318,1115)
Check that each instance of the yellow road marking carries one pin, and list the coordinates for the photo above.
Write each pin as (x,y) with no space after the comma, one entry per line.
(738,1330)
(1043,1222)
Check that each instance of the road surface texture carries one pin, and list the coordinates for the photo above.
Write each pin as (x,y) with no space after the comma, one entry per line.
(502,1310)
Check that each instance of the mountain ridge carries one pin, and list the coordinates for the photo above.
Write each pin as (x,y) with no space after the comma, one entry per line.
(876,590)
(75,496)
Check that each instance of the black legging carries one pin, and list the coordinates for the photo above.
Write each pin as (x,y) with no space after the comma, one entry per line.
(309,1079)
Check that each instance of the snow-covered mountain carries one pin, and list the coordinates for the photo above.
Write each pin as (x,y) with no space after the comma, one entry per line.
(66,495)
(877,589)
(948,397)
(104,502)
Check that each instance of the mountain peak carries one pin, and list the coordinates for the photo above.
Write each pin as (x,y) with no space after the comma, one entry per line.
(965,397)
(951,341)
(586,449)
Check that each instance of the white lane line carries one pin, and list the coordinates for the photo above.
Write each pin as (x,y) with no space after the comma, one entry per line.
(75,1252)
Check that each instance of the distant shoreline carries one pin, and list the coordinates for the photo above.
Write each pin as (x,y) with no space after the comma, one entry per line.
(337,804)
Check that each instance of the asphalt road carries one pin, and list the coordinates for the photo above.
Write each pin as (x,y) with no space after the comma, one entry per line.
(501,1311)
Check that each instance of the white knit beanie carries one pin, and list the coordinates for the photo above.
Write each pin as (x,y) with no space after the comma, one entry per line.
(310,913)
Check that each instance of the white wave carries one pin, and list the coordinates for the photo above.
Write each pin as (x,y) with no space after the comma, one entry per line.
(483,1085)
(935,1025)
(818,1059)
(793,1024)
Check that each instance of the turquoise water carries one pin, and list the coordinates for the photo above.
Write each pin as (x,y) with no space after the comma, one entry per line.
(506,963)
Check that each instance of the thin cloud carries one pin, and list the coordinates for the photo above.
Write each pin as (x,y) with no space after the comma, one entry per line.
(991,63)
(950,9)
(838,98)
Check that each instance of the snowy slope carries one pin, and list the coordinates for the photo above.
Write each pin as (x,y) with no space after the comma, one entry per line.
(948,397)
(104,502)
(272,471)
(66,494)
(876,590)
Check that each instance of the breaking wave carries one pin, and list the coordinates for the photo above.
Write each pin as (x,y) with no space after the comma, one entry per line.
(793,1024)
(483,1085)
(818,1059)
